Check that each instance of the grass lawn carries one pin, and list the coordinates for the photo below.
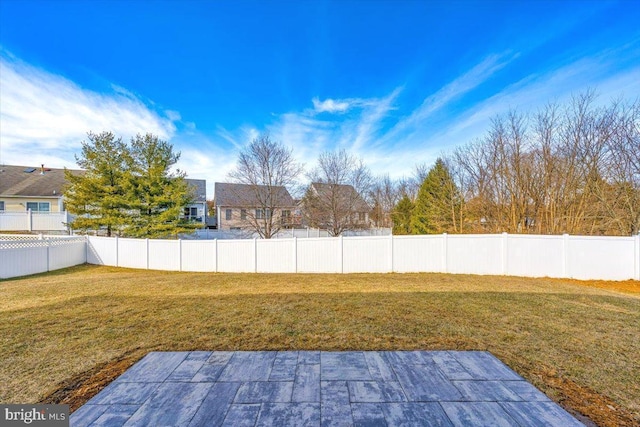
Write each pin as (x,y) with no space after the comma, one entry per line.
(66,334)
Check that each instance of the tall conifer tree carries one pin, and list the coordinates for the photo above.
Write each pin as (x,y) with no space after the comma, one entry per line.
(98,197)
(156,194)
(401,216)
(438,203)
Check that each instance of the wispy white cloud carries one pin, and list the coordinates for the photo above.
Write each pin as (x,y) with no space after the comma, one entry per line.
(43,117)
(367,127)
(393,145)
(468,81)
(172,115)
(42,113)
(554,86)
(331,105)
(310,134)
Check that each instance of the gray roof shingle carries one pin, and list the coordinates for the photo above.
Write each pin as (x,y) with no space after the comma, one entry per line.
(14,181)
(245,195)
(200,189)
(345,192)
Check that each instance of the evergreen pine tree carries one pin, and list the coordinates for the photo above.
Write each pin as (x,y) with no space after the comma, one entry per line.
(401,216)
(157,194)
(438,203)
(97,197)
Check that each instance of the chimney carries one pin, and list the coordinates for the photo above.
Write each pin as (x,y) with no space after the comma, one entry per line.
(42,169)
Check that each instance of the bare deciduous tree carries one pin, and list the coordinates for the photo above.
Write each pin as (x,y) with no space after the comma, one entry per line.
(384,195)
(266,167)
(335,199)
(571,169)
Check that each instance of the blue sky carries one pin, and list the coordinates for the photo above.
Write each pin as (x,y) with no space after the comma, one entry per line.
(394,82)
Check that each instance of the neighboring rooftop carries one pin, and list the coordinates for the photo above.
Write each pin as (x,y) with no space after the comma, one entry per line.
(346,192)
(200,189)
(32,181)
(245,195)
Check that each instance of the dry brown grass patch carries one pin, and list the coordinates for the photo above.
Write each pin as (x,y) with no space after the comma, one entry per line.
(67,334)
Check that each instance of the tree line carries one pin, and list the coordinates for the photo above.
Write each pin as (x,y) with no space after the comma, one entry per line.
(571,168)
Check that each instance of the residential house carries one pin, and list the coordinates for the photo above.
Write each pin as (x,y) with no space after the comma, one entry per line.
(25,188)
(336,208)
(197,210)
(242,206)
(40,190)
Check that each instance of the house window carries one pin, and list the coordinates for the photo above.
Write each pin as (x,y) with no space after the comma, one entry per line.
(243,214)
(263,213)
(190,212)
(227,214)
(286,217)
(38,206)
(1,206)
(362,216)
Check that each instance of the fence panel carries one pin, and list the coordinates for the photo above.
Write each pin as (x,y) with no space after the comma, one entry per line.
(414,254)
(14,221)
(164,255)
(67,253)
(600,257)
(580,257)
(132,253)
(534,256)
(236,256)
(276,256)
(319,255)
(48,221)
(23,261)
(366,254)
(102,250)
(474,254)
(199,255)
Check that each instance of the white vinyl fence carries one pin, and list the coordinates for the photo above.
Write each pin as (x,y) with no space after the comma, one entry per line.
(579,257)
(301,233)
(34,221)
(36,254)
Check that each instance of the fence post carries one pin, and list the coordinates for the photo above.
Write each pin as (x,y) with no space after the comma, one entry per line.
(117,252)
(255,254)
(565,246)
(444,253)
(216,255)
(505,253)
(391,251)
(295,254)
(341,252)
(636,260)
(29,220)
(48,254)
(147,242)
(180,251)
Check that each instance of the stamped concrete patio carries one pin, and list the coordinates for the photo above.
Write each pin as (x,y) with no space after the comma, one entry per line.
(300,388)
